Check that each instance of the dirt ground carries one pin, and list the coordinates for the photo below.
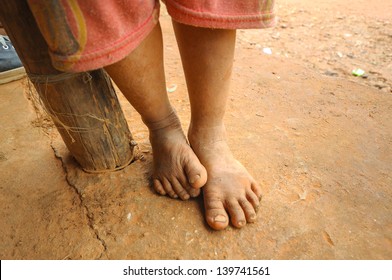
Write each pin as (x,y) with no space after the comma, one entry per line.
(317,138)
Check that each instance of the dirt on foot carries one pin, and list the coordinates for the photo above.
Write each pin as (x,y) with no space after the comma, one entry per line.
(316,138)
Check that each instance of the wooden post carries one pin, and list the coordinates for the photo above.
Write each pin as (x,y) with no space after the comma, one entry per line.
(83,106)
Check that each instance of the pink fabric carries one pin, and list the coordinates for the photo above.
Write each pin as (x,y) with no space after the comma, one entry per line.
(224,14)
(83,35)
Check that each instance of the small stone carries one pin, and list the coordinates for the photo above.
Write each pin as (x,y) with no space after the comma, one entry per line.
(172,88)
(267,51)
(358,72)
(331,73)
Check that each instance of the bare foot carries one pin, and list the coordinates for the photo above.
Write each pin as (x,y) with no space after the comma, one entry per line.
(177,170)
(230,190)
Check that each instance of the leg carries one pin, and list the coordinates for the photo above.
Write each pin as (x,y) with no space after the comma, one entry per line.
(140,76)
(207,57)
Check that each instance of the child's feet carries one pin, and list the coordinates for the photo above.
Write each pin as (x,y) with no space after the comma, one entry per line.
(177,170)
(230,191)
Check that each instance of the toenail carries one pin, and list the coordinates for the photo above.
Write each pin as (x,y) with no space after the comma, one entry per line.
(241,223)
(252,217)
(220,219)
(194,179)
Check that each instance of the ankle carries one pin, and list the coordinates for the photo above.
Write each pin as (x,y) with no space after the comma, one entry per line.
(169,121)
(206,134)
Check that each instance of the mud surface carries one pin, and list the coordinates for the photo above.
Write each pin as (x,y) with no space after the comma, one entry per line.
(320,144)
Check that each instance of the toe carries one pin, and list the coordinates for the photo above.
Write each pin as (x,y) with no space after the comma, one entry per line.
(196,173)
(249,211)
(158,187)
(253,199)
(216,215)
(179,190)
(168,188)
(256,189)
(237,216)
(191,191)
